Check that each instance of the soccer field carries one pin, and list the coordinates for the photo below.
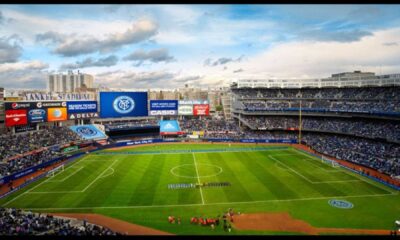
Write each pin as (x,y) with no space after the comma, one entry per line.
(133,184)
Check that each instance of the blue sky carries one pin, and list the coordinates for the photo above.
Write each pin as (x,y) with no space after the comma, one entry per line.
(166,46)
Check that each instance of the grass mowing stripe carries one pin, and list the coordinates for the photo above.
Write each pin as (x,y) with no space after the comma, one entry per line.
(219,203)
(291,169)
(198,178)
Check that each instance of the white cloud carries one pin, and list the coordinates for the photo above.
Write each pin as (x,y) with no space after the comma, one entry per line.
(320,59)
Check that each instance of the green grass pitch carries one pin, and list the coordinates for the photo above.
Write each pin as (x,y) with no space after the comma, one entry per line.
(132,185)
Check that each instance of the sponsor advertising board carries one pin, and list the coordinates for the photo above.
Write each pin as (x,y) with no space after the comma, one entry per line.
(56,114)
(33,105)
(170,127)
(25,128)
(185,109)
(82,107)
(74,116)
(16,117)
(163,107)
(192,102)
(123,104)
(37,115)
(201,110)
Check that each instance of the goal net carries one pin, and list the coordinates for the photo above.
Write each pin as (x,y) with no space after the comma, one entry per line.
(330,162)
(54,171)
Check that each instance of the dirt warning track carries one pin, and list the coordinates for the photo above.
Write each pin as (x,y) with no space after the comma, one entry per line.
(114,224)
(283,222)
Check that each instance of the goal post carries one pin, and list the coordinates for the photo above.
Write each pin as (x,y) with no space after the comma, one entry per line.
(330,162)
(53,171)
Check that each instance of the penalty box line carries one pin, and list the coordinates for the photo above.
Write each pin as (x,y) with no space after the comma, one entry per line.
(221,203)
(310,181)
(30,190)
(346,171)
(81,191)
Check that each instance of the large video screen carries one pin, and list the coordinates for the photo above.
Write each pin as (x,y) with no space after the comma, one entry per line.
(123,104)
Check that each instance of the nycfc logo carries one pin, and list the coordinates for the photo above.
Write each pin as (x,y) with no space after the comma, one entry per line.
(124,104)
(340,203)
(86,131)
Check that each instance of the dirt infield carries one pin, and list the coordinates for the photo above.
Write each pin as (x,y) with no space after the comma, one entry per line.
(114,224)
(283,222)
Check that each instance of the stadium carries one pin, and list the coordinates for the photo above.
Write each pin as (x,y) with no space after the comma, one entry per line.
(199,120)
(288,155)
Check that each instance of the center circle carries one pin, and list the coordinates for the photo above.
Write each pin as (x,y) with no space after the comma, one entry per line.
(186,170)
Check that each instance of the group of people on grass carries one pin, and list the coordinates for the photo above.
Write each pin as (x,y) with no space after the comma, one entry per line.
(225,220)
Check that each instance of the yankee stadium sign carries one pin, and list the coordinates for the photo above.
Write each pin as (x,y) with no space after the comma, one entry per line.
(56,96)
(123,104)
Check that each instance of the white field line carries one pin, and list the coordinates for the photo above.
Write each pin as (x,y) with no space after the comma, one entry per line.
(321,168)
(30,190)
(112,172)
(97,160)
(53,192)
(221,203)
(313,182)
(198,178)
(62,180)
(352,174)
(99,176)
(299,174)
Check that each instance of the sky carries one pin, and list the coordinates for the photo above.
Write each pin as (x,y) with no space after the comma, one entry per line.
(168,46)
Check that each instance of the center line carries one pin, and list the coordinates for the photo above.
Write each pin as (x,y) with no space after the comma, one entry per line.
(198,178)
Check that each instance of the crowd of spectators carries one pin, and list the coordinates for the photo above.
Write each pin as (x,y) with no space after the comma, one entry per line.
(131,124)
(17,222)
(24,162)
(13,144)
(385,157)
(24,150)
(368,99)
(372,93)
(208,124)
(323,105)
(365,128)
